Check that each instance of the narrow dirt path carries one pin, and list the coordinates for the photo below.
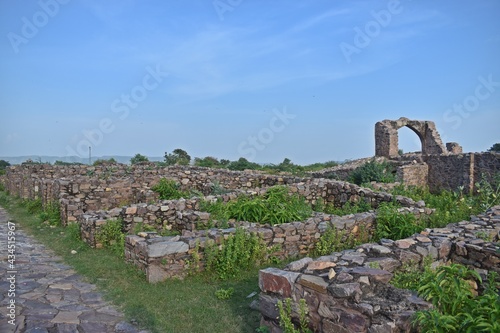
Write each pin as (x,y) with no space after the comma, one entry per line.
(38,293)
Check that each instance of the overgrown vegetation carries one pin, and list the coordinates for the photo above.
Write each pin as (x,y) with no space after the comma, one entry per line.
(50,214)
(169,189)
(334,240)
(102,161)
(382,172)
(456,307)
(111,236)
(286,323)
(276,206)
(239,252)
(138,158)
(3,165)
(411,276)
(178,156)
(182,306)
(395,225)
(495,148)
(451,206)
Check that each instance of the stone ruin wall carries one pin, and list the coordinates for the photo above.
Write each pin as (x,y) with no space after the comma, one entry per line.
(350,291)
(461,170)
(166,257)
(82,193)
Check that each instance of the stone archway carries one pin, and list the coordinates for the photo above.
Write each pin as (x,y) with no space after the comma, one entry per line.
(386,136)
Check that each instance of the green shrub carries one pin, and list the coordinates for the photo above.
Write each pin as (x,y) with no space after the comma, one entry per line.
(334,240)
(392,224)
(410,275)
(456,308)
(451,207)
(33,206)
(275,207)
(238,252)
(373,171)
(285,311)
(169,189)
(51,213)
(111,236)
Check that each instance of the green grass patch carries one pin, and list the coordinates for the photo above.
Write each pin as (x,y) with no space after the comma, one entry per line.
(189,305)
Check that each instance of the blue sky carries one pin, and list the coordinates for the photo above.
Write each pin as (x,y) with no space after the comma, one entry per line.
(264,80)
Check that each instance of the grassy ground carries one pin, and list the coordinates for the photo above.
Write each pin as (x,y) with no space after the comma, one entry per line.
(176,306)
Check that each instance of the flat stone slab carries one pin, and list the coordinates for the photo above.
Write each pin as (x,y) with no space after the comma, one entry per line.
(50,296)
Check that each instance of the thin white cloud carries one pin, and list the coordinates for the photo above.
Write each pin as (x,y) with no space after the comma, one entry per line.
(313,21)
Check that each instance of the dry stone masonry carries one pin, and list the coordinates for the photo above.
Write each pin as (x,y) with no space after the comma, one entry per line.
(347,291)
(350,291)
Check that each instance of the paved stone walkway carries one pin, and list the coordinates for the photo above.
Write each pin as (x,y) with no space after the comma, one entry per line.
(49,296)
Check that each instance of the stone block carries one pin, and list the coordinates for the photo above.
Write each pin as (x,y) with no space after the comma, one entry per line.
(313,282)
(160,249)
(277,281)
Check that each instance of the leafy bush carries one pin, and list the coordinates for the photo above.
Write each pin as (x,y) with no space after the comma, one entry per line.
(33,206)
(451,206)
(168,189)
(395,225)
(275,207)
(138,158)
(410,275)
(111,236)
(51,213)
(104,161)
(373,171)
(456,308)
(238,252)
(178,156)
(285,311)
(243,164)
(334,240)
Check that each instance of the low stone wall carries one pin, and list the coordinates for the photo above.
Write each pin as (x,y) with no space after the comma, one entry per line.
(343,171)
(287,240)
(165,257)
(350,291)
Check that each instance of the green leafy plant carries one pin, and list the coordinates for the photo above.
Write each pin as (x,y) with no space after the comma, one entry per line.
(334,240)
(240,251)
(51,213)
(410,275)
(178,156)
(169,189)
(33,206)
(285,317)
(393,224)
(373,171)
(488,192)
(111,236)
(224,294)
(138,158)
(456,308)
(275,207)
